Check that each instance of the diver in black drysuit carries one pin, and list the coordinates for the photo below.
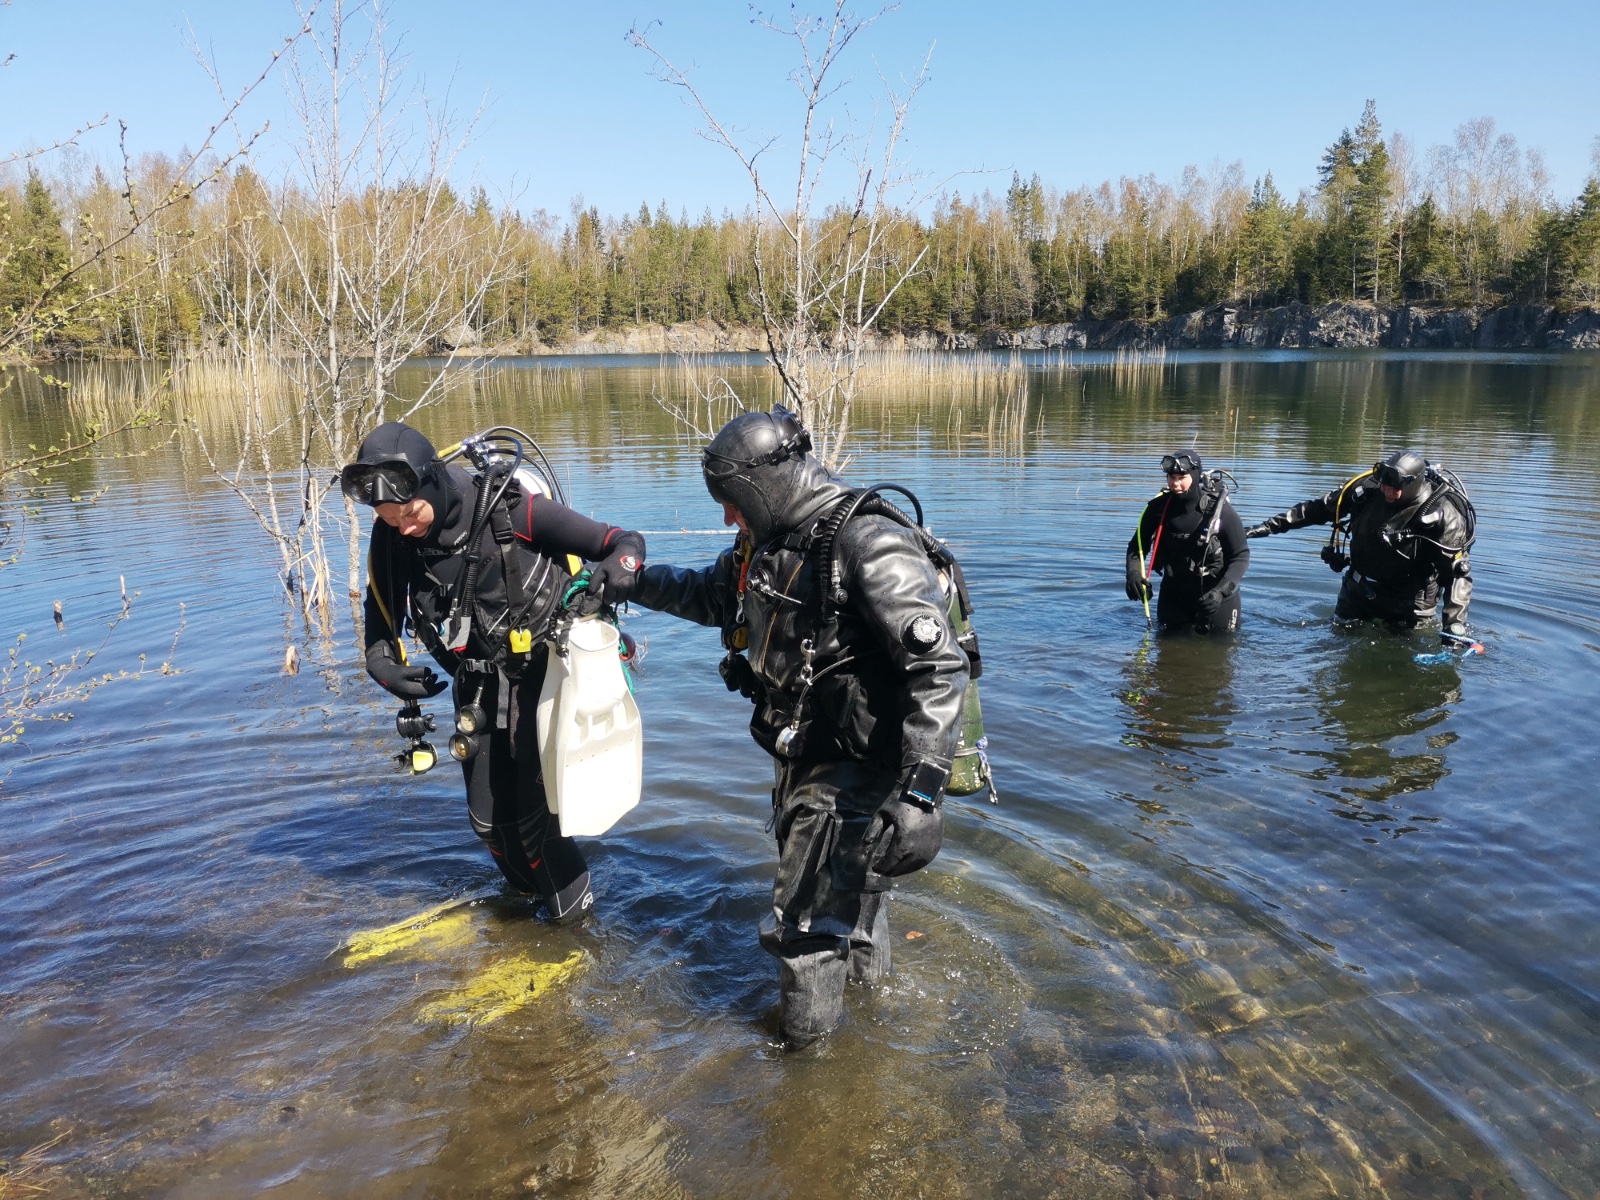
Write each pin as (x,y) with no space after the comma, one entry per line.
(1201,554)
(417,566)
(862,758)
(1410,530)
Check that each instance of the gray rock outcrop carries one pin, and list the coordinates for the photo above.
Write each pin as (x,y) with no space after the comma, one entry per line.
(1343,325)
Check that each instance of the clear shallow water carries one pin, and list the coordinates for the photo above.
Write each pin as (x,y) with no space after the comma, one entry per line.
(1292,916)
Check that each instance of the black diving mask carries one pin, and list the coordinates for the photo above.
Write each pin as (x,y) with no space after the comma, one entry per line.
(1180,464)
(1390,476)
(391,482)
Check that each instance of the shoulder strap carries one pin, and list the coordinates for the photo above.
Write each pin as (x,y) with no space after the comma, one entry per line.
(870,500)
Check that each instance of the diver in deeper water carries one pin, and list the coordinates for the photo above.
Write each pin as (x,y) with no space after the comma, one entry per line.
(477,564)
(1191,535)
(858,697)
(1403,530)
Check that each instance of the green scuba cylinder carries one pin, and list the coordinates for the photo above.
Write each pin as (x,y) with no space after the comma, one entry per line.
(969,771)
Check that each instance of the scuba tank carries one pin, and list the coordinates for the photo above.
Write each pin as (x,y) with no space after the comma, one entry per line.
(969,769)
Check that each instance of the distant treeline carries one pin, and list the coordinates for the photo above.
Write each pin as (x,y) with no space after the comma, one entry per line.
(1472,223)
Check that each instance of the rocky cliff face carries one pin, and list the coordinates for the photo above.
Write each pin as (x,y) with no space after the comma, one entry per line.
(1348,325)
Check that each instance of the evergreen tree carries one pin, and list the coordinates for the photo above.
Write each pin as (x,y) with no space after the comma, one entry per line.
(1369,202)
(1580,257)
(1264,247)
(34,259)
(1427,269)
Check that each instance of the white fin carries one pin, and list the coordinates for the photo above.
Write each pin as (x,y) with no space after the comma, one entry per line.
(590,738)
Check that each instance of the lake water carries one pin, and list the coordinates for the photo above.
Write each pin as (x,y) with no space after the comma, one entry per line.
(1287,916)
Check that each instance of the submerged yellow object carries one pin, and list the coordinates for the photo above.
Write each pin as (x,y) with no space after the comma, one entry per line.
(441,927)
(501,989)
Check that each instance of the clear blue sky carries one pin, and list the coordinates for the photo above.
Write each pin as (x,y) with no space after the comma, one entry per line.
(1078,92)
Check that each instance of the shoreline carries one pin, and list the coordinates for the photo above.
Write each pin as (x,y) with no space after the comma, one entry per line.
(1345,325)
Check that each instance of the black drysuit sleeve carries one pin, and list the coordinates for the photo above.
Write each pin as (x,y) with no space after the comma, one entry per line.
(1454,567)
(893,587)
(555,530)
(385,605)
(1318,511)
(706,596)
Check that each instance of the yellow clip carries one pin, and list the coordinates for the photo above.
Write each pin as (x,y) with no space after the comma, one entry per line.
(521,641)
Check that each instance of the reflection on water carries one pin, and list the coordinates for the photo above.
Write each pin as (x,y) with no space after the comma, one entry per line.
(1383,708)
(1283,915)
(1179,694)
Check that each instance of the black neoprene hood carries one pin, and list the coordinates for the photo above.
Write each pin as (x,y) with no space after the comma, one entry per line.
(395,441)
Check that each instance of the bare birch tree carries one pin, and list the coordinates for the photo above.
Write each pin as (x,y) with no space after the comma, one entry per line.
(824,271)
(373,260)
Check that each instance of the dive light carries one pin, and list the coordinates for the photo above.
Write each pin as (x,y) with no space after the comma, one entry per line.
(412,723)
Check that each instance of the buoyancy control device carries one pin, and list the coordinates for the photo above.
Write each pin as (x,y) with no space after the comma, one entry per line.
(970,769)
(1444,487)
(500,456)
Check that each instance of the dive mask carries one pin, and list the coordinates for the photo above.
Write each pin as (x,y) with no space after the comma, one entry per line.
(1180,464)
(392,482)
(1391,476)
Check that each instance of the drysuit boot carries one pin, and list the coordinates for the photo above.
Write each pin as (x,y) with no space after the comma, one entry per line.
(811,991)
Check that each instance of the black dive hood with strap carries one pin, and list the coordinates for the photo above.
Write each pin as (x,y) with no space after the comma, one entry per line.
(761,464)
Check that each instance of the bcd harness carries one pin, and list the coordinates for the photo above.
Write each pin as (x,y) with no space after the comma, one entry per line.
(533,595)
(970,770)
(1397,532)
(1200,541)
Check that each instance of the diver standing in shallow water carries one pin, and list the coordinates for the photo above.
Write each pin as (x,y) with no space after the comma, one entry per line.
(1192,536)
(1408,526)
(858,681)
(479,567)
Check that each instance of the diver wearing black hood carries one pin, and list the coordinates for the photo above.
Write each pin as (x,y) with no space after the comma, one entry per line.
(1192,537)
(420,568)
(1409,526)
(860,711)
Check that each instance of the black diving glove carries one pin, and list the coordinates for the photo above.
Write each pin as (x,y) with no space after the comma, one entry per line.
(906,832)
(611,581)
(409,681)
(1138,587)
(1261,530)
(1210,601)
